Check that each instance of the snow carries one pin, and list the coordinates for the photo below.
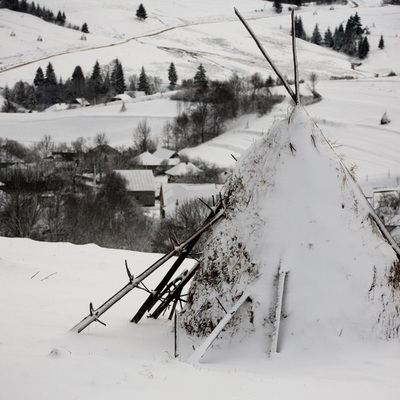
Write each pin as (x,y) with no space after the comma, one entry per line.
(41,359)
(46,288)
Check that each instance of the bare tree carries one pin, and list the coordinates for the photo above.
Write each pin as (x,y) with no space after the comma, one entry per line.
(20,207)
(142,139)
(313,78)
(44,147)
(101,139)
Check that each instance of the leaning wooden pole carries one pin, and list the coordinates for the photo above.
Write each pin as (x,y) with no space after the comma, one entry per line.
(295,63)
(266,56)
(134,282)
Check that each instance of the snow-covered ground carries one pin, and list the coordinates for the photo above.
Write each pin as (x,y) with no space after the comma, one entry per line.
(45,289)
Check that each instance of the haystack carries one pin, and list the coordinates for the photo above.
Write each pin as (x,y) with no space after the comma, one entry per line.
(294,210)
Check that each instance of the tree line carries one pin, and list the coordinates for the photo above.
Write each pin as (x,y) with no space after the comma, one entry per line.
(101,85)
(350,39)
(39,11)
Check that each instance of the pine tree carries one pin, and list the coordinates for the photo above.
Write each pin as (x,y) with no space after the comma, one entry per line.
(117,78)
(338,38)
(299,29)
(358,29)
(143,83)
(59,18)
(381,44)
(51,78)
(39,78)
(95,83)
(200,79)
(316,37)
(352,33)
(328,38)
(23,6)
(141,12)
(78,81)
(85,28)
(277,5)
(172,76)
(363,48)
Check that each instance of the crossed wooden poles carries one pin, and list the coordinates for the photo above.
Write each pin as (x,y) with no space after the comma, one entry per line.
(167,291)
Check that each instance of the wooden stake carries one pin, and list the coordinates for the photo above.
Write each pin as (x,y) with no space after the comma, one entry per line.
(264,53)
(278,310)
(295,64)
(199,352)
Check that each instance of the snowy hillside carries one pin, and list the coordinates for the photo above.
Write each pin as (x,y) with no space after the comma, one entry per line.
(210,33)
(45,289)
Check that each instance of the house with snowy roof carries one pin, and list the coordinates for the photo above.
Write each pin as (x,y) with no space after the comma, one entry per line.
(146,160)
(174,194)
(182,169)
(140,184)
(171,157)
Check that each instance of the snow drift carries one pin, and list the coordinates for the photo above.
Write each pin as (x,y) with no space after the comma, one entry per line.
(291,205)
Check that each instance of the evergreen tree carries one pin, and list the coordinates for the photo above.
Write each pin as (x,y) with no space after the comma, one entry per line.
(51,78)
(338,38)
(363,48)
(299,29)
(32,8)
(85,28)
(358,29)
(117,78)
(172,76)
(277,5)
(200,80)
(328,38)
(78,82)
(96,86)
(7,93)
(352,33)
(96,73)
(381,44)
(39,78)
(23,6)
(143,83)
(316,37)
(59,19)
(141,12)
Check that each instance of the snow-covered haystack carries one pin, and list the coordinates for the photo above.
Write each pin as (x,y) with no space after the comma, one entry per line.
(292,206)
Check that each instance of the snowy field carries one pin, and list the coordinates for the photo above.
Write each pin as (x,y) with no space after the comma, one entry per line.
(46,288)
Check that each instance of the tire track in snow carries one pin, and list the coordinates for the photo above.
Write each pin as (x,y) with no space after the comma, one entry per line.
(119,43)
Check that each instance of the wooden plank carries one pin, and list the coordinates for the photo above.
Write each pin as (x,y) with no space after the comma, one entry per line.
(278,310)
(199,352)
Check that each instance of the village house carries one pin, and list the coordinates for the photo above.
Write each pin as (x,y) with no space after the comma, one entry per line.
(174,194)
(140,184)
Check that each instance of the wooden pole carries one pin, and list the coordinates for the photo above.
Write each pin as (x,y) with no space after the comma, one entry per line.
(176,334)
(199,352)
(295,64)
(278,310)
(266,56)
